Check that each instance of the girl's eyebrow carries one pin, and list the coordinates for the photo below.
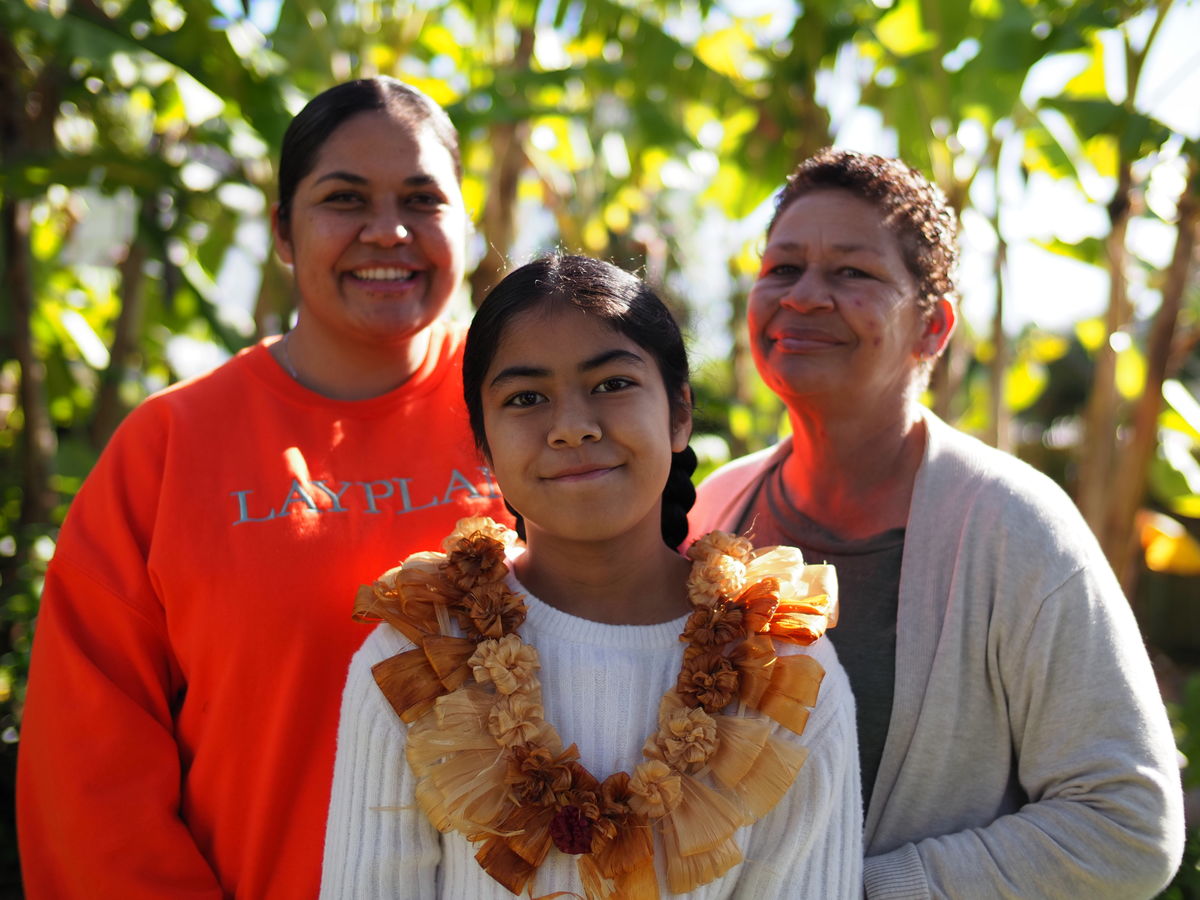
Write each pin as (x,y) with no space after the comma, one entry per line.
(354,178)
(513,372)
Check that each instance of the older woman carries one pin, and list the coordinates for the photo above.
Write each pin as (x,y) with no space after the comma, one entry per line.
(195,627)
(1013,742)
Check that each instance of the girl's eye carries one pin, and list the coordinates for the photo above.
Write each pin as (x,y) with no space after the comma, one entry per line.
(523,399)
(616,383)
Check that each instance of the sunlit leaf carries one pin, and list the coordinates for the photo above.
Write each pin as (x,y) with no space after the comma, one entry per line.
(1090,250)
(1023,385)
(725,51)
(1187,506)
(1131,372)
(741,421)
(1170,420)
(1167,545)
(1183,402)
(902,32)
(1089,84)
(1045,347)
(1103,153)
(1092,333)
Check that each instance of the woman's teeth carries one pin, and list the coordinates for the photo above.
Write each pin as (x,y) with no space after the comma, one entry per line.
(388,274)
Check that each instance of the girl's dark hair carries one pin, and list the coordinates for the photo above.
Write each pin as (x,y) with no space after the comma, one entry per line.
(627,305)
(914,210)
(326,112)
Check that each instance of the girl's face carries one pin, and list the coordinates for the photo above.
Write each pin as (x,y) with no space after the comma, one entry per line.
(579,426)
(376,232)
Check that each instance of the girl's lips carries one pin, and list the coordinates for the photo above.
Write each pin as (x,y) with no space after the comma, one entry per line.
(580,473)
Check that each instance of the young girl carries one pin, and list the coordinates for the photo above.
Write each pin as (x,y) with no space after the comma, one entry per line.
(592,713)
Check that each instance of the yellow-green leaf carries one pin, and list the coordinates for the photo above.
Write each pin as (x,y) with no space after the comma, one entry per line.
(1092,333)
(902,32)
(1131,372)
(1023,384)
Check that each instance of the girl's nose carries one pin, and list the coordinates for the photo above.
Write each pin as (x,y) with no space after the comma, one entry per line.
(573,425)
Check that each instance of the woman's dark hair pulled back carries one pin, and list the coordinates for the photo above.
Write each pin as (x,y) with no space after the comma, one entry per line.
(623,302)
(326,112)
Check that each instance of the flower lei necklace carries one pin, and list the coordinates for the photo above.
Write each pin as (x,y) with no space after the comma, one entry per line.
(490,767)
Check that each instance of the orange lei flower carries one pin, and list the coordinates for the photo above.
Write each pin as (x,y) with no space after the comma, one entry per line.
(490,767)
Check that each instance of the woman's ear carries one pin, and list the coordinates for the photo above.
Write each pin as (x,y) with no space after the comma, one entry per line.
(681,420)
(938,328)
(282,234)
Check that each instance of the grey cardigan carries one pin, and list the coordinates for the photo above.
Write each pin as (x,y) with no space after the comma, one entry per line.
(1028,752)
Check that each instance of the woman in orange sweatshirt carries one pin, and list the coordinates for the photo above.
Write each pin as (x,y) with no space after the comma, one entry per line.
(194,632)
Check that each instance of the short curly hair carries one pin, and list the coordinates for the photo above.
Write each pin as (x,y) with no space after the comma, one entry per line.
(914,210)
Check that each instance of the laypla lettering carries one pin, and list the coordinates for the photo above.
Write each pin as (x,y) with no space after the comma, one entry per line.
(374,497)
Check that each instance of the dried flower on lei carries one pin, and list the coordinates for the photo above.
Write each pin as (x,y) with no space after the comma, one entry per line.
(536,776)
(655,789)
(508,663)
(714,626)
(708,680)
(686,738)
(476,559)
(490,610)
(516,719)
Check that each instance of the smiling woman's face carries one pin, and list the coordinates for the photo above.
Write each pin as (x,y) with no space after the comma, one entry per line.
(833,314)
(375,232)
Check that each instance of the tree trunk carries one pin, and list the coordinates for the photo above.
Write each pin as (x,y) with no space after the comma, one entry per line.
(26,122)
(109,408)
(1000,420)
(38,442)
(1097,454)
(507,140)
(1129,487)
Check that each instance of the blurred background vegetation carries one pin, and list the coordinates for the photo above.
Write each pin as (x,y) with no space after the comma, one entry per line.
(137,149)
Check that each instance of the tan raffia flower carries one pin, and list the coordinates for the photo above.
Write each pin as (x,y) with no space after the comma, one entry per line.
(516,719)
(470,526)
(508,663)
(715,580)
(536,776)
(707,680)
(490,611)
(720,543)
(476,559)
(654,789)
(686,738)
(714,626)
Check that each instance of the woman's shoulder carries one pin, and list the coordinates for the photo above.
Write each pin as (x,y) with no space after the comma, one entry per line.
(963,470)
(719,493)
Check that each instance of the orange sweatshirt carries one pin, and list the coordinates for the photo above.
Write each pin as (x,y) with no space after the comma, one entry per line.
(195,630)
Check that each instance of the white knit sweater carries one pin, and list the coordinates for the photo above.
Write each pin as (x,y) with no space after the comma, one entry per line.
(601,688)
